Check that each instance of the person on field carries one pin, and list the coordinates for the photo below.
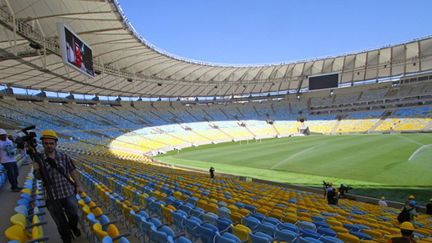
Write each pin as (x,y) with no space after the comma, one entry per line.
(407,236)
(58,172)
(382,202)
(429,207)
(212,170)
(7,159)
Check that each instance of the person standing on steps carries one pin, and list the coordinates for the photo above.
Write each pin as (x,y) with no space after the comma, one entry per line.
(60,175)
(7,159)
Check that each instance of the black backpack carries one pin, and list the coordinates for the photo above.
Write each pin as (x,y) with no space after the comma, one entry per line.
(404,215)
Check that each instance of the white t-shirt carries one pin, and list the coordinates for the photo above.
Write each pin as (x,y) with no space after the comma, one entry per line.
(7,151)
(382,203)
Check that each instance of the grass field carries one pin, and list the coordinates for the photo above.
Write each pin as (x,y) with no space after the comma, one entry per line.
(393,165)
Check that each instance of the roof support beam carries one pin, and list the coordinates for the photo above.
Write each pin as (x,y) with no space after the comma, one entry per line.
(66,15)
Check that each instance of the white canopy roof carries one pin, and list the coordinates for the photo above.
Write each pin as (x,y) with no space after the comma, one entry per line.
(129,66)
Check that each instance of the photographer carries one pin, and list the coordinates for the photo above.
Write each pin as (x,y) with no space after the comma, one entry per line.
(7,159)
(60,178)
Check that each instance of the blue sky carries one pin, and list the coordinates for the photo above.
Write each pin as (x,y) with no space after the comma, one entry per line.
(274,31)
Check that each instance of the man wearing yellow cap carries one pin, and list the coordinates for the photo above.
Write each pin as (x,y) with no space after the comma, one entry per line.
(60,175)
(407,230)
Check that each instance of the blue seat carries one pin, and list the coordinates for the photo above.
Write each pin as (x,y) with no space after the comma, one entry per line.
(327,231)
(226,238)
(207,232)
(108,239)
(317,218)
(191,227)
(267,228)
(260,237)
(178,217)
(250,208)
(224,212)
(209,217)
(306,225)
(321,224)
(361,235)
(223,224)
(272,220)
(308,240)
(182,239)
(197,212)
(157,236)
(289,226)
(259,216)
(251,222)
(329,239)
(285,235)
(309,233)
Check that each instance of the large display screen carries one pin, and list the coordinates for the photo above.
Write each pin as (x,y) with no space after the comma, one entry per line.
(75,52)
(324,82)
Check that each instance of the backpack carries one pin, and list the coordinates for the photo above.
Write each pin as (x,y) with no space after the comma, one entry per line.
(404,215)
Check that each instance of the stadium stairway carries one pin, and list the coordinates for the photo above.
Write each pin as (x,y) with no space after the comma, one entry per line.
(335,128)
(380,121)
(428,127)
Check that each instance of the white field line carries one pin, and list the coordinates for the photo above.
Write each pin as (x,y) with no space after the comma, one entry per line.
(293,156)
(411,140)
(418,150)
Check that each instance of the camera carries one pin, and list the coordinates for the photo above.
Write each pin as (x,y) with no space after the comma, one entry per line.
(326,184)
(24,136)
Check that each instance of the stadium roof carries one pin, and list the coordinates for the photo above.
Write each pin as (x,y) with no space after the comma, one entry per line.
(127,65)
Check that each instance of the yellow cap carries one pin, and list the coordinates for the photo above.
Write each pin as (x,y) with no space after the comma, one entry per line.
(49,134)
(407,226)
(382,198)
(411,197)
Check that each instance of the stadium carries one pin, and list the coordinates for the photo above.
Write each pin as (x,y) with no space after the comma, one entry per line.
(143,127)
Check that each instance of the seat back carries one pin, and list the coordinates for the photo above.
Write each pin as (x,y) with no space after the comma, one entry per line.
(241,231)
(260,237)
(285,235)
(16,232)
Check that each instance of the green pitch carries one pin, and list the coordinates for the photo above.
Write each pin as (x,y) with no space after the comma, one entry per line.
(391,165)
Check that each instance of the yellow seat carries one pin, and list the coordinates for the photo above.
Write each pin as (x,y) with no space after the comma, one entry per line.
(237,218)
(18,219)
(334,223)
(339,229)
(373,233)
(113,231)
(167,214)
(346,237)
(100,233)
(16,232)
(242,232)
